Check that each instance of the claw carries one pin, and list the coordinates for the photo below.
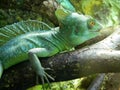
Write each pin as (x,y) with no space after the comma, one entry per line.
(50,76)
(37,79)
(48,69)
(48,82)
(42,78)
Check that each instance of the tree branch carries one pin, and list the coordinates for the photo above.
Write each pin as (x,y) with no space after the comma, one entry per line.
(102,57)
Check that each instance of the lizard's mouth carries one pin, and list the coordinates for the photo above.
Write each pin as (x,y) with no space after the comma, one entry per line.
(96,30)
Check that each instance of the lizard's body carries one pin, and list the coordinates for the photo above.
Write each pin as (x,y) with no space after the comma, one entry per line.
(17,48)
(74,29)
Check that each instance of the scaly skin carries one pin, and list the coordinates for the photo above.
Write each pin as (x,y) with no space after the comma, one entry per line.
(74,29)
(16,50)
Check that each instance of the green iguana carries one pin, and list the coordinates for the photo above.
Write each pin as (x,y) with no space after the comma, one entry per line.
(26,40)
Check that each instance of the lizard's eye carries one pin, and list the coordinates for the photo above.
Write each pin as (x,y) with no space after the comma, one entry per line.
(91,23)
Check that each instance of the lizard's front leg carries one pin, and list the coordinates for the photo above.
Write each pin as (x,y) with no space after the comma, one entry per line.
(33,57)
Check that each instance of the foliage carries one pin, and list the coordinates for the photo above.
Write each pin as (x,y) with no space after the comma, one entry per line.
(10,16)
(77,84)
(113,16)
(106,11)
(15,15)
(69,85)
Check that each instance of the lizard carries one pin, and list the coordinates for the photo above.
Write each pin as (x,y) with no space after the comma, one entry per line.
(27,41)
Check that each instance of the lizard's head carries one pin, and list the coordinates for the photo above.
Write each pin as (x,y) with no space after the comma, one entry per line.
(81,27)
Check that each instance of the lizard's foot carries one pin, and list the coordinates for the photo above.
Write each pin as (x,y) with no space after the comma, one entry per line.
(44,76)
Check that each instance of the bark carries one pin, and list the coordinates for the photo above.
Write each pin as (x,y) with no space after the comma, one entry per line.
(96,84)
(102,57)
